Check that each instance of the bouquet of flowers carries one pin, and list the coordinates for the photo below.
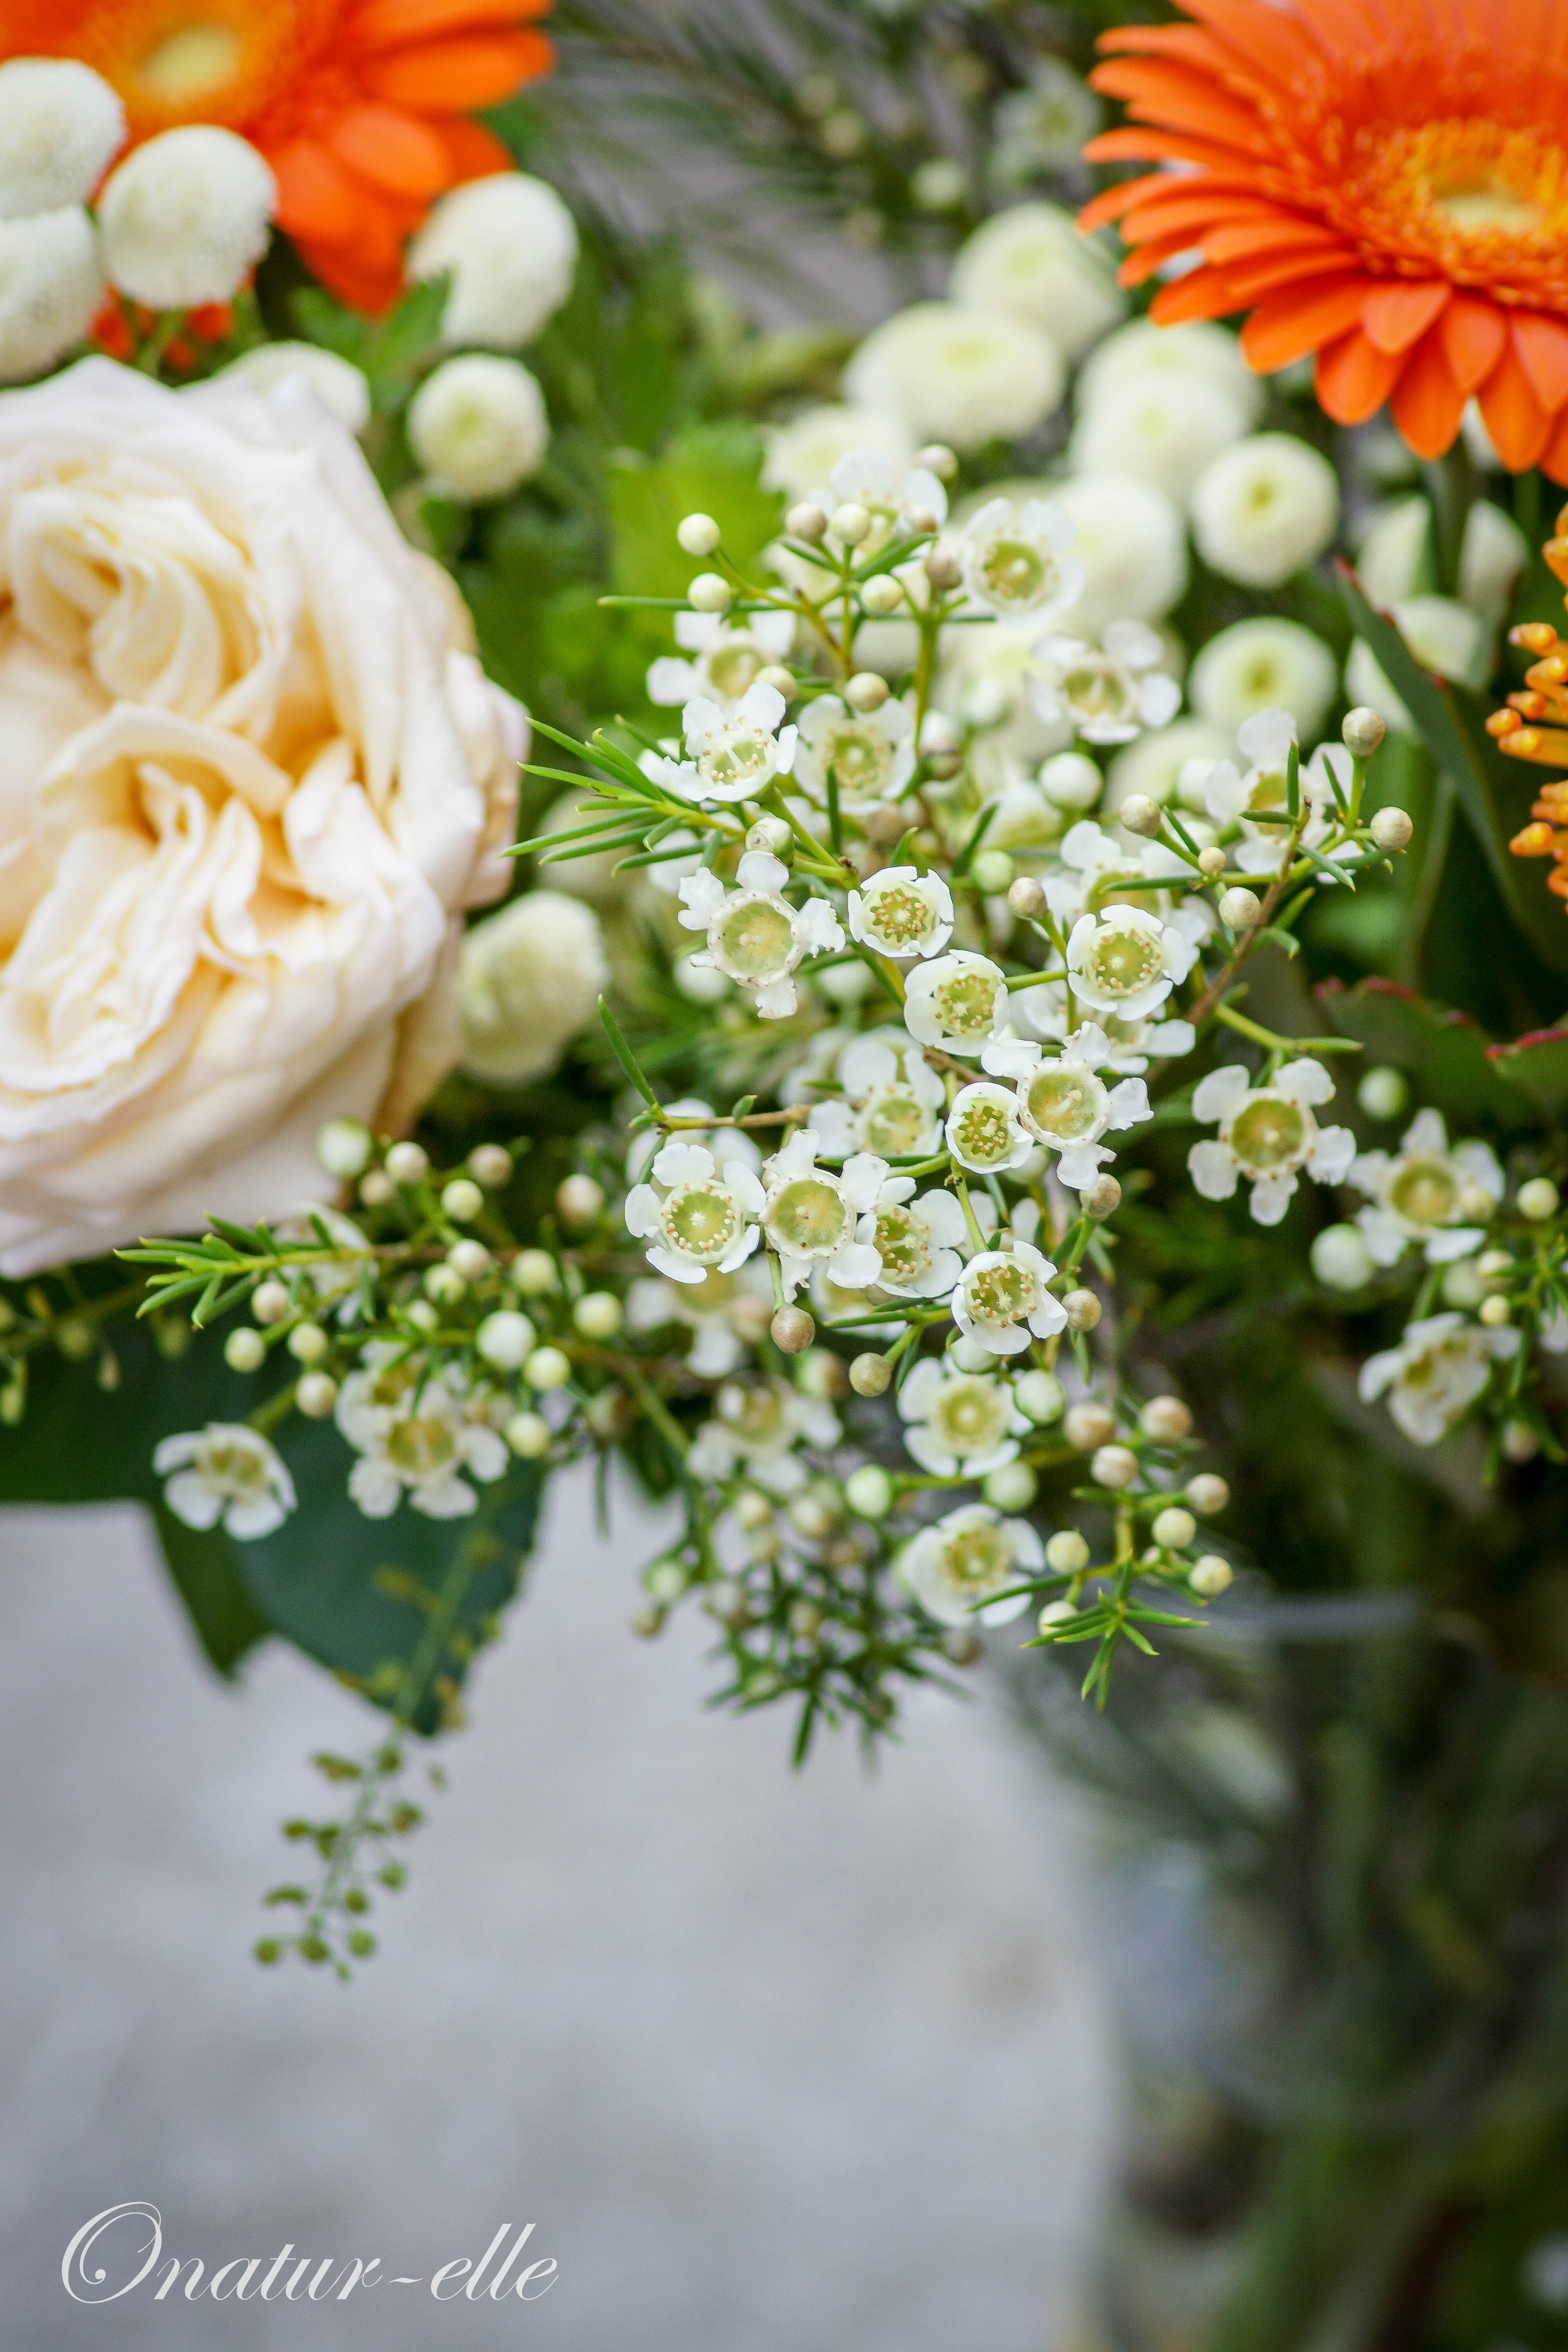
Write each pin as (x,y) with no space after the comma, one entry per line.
(1015,1078)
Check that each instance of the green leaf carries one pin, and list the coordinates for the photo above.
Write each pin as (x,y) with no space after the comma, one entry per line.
(1449,1057)
(708,470)
(1539,1064)
(1494,793)
(201,1565)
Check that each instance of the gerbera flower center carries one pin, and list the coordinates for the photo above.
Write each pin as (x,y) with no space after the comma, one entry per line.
(757,938)
(1268,1133)
(1121,962)
(1469,194)
(1062,1102)
(700,1220)
(192,63)
(969,1417)
(903,1244)
(810,1217)
(965,1003)
(899,918)
(977,1560)
(1425,1191)
(893,1124)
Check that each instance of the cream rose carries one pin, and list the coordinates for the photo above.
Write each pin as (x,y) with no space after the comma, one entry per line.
(251,775)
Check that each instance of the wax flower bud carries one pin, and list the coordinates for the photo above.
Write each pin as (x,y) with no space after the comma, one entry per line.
(1362,731)
(1391,830)
(698,534)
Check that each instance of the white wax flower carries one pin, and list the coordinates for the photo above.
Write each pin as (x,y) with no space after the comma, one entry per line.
(954,1566)
(1154,765)
(811,1216)
(867,479)
(1427,1194)
(60,126)
(984,1133)
(759,1423)
(959,375)
(1200,351)
(1436,1373)
(1128,1044)
(1132,545)
(728,656)
(1158,427)
(1109,693)
(901,912)
(1045,126)
(1266,510)
(1002,1299)
(957,1002)
(700,1217)
(1021,564)
(224,1472)
(478,427)
(916,1236)
(186,218)
(417,1428)
(726,1313)
(959,1423)
(1125,961)
(731,755)
(528,978)
(1263,665)
(727,1145)
(344,387)
(984,684)
(1062,1102)
(510,246)
(871,753)
(891,1100)
(802,455)
(1268,1135)
(266,780)
(1031,262)
(754,935)
(51,282)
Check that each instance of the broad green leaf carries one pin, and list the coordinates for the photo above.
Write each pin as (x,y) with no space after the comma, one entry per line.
(1538,1064)
(1446,1054)
(203,1572)
(708,470)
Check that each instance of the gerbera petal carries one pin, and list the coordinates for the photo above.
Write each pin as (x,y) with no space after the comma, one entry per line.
(1298,320)
(472,151)
(387,23)
(1542,347)
(1555,461)
(1474,332)
(448,76)
(1519,425)
(391,150)
(1427,404)
(1395,317)
(316,198)
(1354,378)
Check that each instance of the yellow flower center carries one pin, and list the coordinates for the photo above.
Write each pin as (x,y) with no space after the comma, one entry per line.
(1062,1102)
(701,1220)
(1269,1133)
(903,1244)
(810,1217)
(1472,197)
(893,1124)
(977,1560)
(1426,1192)
(192,63)
(733,667)
(969,1416)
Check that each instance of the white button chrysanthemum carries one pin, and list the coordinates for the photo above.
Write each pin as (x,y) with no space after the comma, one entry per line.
(1043,127)
(529,979)
(956,1002)
(959,375)
(959,1423)
(917,1238)
(336,382)
(730,657)
(760,1424)
(731,755)
(903,912)
(754,935)
(478,426)
(60,127)
(416,1429)
(1198,349)
(870,753)
(890,1101)
(954,1567)
(1426,1195)
(812,1217)
(1126,961)
(1002,1298)
(1266,509)
(1436,1373)
(229,1472)
(1268,1135)
(984,1133)
(698,1215)
(1159,428)
(51,280)
(1032,262)
(187,218)
(1108,694)
(1021,564)
(802,454)
(1063,1104)
(510,246)
(1263,665)
(1132,545)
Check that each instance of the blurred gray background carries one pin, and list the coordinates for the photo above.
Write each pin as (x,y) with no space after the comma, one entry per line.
(774,2062)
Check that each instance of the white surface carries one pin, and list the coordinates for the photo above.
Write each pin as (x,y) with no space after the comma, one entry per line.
(774,2062)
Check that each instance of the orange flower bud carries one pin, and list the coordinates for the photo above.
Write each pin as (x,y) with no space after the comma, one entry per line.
(1535,841)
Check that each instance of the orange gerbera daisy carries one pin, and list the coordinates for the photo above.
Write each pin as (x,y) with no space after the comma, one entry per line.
(359,106)
(1382,181)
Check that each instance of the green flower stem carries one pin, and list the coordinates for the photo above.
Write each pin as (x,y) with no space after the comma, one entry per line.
(975,1235)
(1277,1044)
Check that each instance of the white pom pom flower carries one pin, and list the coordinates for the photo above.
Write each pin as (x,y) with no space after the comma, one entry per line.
(1132,545)
(51,281)
(959,375)
(959,1424)
(956,1002)
(1434,1375)
(917,1238)
(337,383)
(802,455)
(754,935)
(417,1428)
(478,426)
(1158,428)
(812,1218)
(1062,1103)
(1017,564)
(1031,262)
(60,127)
(891,1100)
(870,753)
(700,1216)
(1003,1300)
(1126,961)
(510,246)
(1268,1135)
(954,1566)
(901,912)
(229,1472)
(984,1133)
(1427,1194)
(1108,694)
(731,755)
(186,218)
(729,658)
(1263,665)
(1198,351)
(1266,509)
